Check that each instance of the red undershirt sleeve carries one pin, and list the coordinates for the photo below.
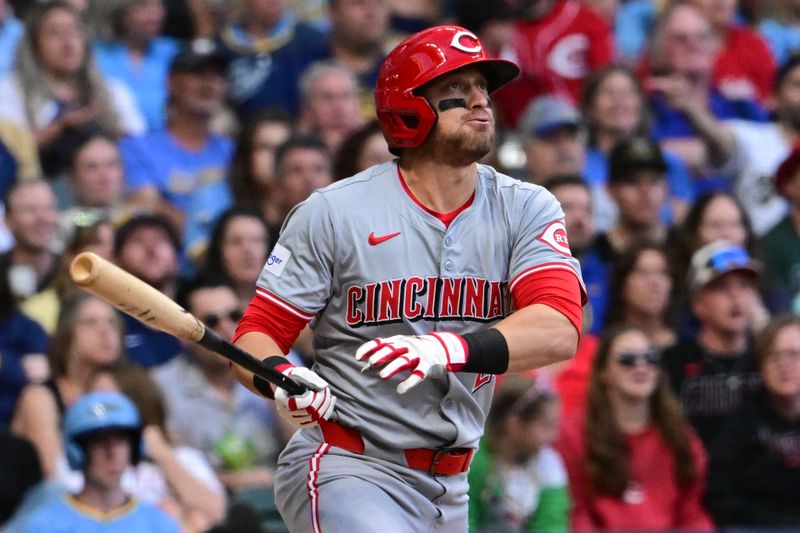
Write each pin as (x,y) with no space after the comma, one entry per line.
(266,315)
(557,288)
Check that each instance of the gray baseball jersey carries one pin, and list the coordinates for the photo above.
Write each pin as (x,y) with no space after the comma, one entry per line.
(363,259)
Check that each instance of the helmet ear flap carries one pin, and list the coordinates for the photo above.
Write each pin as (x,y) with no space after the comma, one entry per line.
(406,120)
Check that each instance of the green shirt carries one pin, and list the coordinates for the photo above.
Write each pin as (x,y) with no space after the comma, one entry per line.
(781,247)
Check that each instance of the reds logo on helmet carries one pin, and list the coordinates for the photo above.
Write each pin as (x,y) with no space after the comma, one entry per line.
(406,118)
(555,236)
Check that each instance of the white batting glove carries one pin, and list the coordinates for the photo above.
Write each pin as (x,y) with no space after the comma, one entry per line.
(422,355)
(307,409)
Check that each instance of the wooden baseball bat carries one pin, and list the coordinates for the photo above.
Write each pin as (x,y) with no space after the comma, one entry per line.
(133,296)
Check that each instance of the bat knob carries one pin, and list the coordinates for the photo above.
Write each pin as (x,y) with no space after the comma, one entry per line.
(84,268)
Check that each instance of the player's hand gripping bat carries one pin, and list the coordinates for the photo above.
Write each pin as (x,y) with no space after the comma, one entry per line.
(133,296)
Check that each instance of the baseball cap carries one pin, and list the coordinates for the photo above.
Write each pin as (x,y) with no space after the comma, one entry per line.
(548,113)
(198,54)
(716,259)
(787,169)
(632,154)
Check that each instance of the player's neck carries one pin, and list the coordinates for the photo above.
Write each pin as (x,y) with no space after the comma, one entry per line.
(441,188)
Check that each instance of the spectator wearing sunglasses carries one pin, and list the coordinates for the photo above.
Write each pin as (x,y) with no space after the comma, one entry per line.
(754,476)
(712,370)
(208,409)
(633,461)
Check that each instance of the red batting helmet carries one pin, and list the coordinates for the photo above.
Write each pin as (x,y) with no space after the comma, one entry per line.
(406,119)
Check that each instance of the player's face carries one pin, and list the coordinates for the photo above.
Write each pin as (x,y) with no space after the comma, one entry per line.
(628,374)
(108,455)
(781,367)
(462,135)
(96,338)
(244,249)
(724,304)
(721,220)
(648,285)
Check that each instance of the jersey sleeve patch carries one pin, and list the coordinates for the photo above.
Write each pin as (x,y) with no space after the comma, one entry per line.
(555,236)
(277,259)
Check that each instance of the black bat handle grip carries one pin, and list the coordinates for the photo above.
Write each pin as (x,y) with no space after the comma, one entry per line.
(230,351)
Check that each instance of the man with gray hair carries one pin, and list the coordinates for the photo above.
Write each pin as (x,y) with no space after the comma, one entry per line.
(329,106)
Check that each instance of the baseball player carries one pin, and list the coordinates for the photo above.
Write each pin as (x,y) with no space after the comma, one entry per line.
(422,278)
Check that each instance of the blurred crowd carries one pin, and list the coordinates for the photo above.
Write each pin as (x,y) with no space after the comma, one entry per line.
(173,137)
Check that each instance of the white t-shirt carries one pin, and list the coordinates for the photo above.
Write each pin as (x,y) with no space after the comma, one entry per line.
(760,149)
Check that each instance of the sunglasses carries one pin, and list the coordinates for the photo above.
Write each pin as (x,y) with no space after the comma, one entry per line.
(729,258)
(213,320)
(629,359)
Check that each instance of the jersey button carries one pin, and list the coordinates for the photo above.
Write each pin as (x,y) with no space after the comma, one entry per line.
(448,265)
(448,241)
(448,403)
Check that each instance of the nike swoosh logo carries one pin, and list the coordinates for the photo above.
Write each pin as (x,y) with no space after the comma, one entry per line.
(373,240)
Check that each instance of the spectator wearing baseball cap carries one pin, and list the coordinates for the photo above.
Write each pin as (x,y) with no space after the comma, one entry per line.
(712,371)
(637,183)
(781,245)
(552,139)
(163,168)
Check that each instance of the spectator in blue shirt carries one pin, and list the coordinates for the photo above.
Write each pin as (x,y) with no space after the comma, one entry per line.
(11,29)
(163,168)
(135,54)
(269,51)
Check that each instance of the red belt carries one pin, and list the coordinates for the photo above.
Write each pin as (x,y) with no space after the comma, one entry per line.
(445,462)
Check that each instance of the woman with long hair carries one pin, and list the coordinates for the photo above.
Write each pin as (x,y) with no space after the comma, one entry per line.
(632,459)
(641,293)
(57,92)
(88,336)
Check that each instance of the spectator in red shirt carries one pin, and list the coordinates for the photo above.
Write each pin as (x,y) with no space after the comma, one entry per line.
(556,43)
(633,462)
(744,67)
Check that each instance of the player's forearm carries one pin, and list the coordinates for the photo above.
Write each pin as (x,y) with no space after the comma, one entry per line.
(537,336)
(261,346)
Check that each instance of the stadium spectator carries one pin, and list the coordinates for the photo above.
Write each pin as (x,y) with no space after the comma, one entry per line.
(517,481)
(88,336)
(358,34)
(362,149)
(302,165)
(134,53)
(633,461)
(754,474)
(637,183)
(686,108)
(761,147)
(23,344)
(147,246)
(57,93)
(553,139)
(102,435)
(238,433)
(713,370)
(31,217)
(269,51)
(641,290)
(781,245)
(164,167)
(88,234)
(250,182)
(744,67)
(19,155)
(19,472)
(329,106)
(556,43)
(237,252)
(614,107)
(177,478)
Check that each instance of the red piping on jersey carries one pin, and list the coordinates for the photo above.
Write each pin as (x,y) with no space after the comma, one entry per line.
(283,303)
(313,489)
(446,218)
